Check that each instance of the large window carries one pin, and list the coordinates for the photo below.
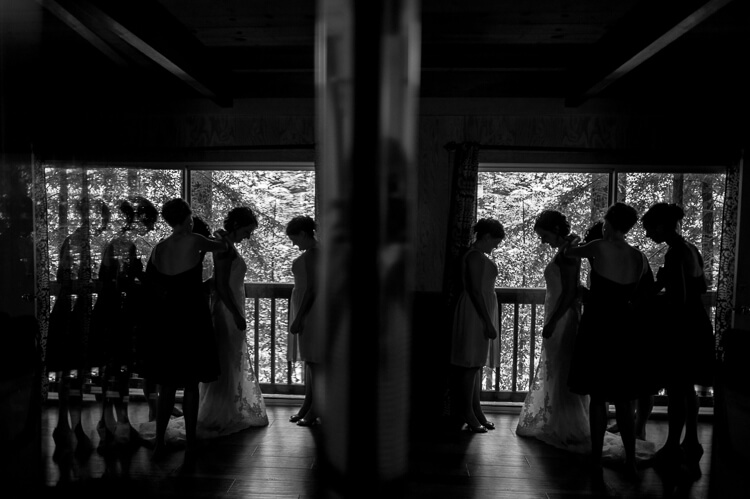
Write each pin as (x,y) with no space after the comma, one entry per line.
(106,189)
(275,196)
(90,207)
(517,197)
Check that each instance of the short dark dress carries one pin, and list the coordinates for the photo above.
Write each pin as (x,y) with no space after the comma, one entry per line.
(68,335)
(688,330)
(115,312)
(606,359)
(183,347)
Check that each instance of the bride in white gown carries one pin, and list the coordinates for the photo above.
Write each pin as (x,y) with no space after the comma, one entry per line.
(551,412)
(234,401)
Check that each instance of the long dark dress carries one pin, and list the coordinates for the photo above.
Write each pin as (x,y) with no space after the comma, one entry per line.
(184,347)
(606,356)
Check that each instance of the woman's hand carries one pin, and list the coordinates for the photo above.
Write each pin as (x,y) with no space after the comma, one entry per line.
(548,329)
(221,235)
(489,331)
(296,327)
(571,240)
(240,322)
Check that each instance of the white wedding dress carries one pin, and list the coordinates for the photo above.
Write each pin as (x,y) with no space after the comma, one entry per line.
(551,412)
(234,401)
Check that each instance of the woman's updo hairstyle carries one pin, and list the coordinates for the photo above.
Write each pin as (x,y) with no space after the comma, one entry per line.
(621,217)
(96,206)
(553,221)
(299,224)
(489,226)
(128,212)
(666,214)
(175,211)
(145,211)
(241,216)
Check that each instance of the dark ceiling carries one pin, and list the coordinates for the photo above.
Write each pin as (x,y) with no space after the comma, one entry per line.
(687,52)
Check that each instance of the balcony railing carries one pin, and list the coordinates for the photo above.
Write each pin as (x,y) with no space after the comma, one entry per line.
(522,314)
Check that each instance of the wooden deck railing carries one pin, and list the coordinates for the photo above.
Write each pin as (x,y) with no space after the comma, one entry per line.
(522,315)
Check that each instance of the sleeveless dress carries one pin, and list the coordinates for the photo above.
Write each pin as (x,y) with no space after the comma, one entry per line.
(689,338)
(69,335)
(606,354)
(115,310)
(183,339)
(470,347)
(234,401)
(306,345)
(551,412)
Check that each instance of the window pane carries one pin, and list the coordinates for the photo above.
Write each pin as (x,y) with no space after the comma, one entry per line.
(517,198)
(701,196)
(274,196)
(106,188)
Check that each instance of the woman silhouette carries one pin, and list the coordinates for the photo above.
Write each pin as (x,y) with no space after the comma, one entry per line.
(688,334)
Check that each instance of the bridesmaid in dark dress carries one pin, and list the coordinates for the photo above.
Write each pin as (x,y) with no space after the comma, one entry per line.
(688,334)
(68,348)
(113,324)
(606,350)
(184,351)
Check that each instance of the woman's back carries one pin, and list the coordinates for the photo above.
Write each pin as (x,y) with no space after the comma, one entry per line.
(176,254)
(617,261)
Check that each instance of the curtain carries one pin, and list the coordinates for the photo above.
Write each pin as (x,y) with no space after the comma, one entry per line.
(727,255)
(41,250)
(465,160)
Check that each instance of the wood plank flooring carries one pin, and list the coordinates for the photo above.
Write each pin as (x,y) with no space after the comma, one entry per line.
(279,461)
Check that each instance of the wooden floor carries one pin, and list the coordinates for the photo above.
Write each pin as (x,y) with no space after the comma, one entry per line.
(279,461)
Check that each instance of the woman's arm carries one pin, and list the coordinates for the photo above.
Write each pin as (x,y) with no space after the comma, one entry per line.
(309,260)
(474,268)
(204,244)
(673,276)
(569,277)
(587,250)
(222,266)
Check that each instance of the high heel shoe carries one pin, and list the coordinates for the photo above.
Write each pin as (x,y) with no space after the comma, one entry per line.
(477,429)
(294,418)
(308,422)
(489,425)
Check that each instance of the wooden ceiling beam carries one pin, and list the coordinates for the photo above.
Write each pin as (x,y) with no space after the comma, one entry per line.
(146,28)
(646,31)
(72,21)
